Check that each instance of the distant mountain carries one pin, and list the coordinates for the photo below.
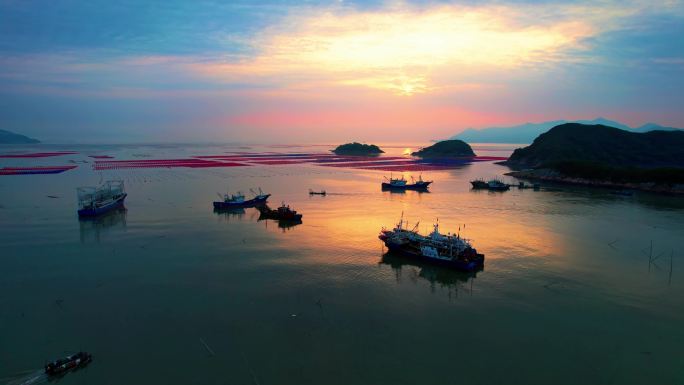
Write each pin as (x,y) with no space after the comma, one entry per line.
(7,137)
(654,127)
(446,149)
(602,145)
(526,133)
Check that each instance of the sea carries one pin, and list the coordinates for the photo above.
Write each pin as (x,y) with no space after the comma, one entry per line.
(580,285)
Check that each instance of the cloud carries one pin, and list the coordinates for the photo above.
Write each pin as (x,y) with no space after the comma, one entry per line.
(405,50)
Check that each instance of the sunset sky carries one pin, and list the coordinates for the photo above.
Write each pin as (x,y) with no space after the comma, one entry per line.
(295,71)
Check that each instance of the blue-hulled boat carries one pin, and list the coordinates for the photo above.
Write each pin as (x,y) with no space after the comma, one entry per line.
(402,184)
(230,201)
(94,201)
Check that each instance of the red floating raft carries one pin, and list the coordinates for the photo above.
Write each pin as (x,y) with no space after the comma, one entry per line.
(34,170)
(162,163)
(38,154)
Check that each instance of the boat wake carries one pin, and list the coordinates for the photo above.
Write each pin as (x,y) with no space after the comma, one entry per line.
(26,378)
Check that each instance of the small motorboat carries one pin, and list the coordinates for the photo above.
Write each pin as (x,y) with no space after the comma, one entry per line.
(402,184)
(282,213)
(68,363)
(94,201)
(479,184)
(238,200)
(312,192)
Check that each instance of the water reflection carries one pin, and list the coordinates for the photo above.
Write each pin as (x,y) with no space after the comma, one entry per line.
(404,191)
(92,229)
(230,213)
(413,270)
(284,224)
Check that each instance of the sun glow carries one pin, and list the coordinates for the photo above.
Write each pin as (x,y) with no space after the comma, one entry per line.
(402,50)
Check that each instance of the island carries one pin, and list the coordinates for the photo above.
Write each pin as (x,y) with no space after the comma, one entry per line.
(598,155)
(452,148)
(8,137)
(358,149)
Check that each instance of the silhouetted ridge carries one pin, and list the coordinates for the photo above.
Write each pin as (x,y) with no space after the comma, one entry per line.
(602,144)
(8,137)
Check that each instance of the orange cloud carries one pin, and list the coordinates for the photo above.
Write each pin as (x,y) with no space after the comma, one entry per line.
(401,50)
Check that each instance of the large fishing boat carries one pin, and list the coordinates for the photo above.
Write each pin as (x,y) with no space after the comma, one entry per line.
(63,365)
(449,250)
(238,200)
(402,183)
(93,201)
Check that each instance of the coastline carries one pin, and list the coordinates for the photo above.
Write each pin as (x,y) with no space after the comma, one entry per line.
(550,175)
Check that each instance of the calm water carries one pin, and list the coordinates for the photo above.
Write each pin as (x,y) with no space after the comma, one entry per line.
(567,295)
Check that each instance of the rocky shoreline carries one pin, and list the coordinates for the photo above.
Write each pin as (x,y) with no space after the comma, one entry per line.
(550,175)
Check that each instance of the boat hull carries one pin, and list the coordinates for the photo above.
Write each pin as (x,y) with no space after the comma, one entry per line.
(454,264)
(281,217)
(414,186)
(93,212)
(247,203)
(61,367)
(499,187)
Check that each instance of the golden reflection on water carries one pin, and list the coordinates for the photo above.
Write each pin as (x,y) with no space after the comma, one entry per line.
(346,222)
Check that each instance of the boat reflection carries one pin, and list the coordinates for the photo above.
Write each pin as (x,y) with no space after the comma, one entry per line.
(404,192)
(284,224)
(229,213)
(452,280)
(93,228)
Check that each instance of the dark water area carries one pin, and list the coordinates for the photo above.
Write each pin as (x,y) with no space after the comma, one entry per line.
(167,291)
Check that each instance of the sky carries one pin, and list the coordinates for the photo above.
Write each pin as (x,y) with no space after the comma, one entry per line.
(310,71)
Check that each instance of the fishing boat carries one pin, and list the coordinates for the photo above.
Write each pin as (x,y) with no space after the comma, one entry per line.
(312,192)
(94,201)
(492,185)
(497,185)
(238,200)
(479,184)
(63,365)
(402,183)
(449,250)
(282,213)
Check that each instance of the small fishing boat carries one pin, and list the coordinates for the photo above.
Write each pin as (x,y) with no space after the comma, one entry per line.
(63,365)
(238,200)
(402,184)
(492,185)
(312,192)
(94,201)
(282,213)
(479,184)
(497,185)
